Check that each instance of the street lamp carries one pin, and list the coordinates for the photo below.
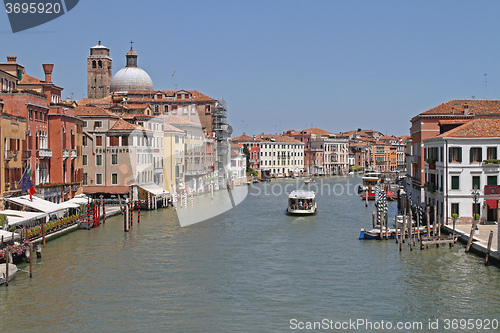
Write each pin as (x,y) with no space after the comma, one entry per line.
(475,195)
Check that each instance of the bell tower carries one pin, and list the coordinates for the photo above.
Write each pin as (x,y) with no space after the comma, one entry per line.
(99,71)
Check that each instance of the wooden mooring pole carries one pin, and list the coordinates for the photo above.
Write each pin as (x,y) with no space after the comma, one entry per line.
(7,255)
(471,236)
(490,238)
(31,259)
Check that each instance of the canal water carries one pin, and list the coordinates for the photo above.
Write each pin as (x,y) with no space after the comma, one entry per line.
(251,269)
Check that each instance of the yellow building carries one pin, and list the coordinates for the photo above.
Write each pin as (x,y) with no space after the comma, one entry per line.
(173,168)
(12,153)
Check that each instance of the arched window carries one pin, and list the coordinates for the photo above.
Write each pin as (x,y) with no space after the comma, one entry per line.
(93,64)
(99,63)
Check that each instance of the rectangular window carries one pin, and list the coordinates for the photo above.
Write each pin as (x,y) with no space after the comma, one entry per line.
(491,153)
(98,160)
(114,141)
(98,179)
(476,181)
(455,154)
(85,177)
(492,180)
(476,154)
(114,159)
(114,179)
(98,124)
(84,124)
(98,140)
(84,160)
(125,141)
(455,209)
(84,141)
(455,182)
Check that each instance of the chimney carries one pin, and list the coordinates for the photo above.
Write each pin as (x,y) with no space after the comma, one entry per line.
(47,68)
(11,59)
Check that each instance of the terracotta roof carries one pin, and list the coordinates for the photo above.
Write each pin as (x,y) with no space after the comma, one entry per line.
(27,79)
(466,107)
(89,111)
(176,120)
(88,101)
(277,138)
(386,137)
(122,125)
(477,128)
(316,131)
(242,138)
(170,128)
(453,121)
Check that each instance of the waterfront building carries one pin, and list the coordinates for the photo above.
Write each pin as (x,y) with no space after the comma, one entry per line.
(132,90)
(174,143)
(56,171)
(252,144)
(238,164)
(324,152)
(456,162)
(433,122)
(197,158)
(280,155)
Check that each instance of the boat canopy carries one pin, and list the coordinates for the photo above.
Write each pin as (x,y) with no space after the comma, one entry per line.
(301,194)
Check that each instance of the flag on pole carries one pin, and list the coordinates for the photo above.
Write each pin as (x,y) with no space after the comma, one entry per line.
(27,184)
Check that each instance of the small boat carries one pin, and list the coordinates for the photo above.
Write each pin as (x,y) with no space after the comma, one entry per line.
(3,272)
(301,202)
(389,233)
(309,181)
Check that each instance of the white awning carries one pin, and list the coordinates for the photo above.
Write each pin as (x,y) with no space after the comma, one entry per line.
(16,217)
(154,189)
(80,199)
(7,236)
(37,204)
(68,204)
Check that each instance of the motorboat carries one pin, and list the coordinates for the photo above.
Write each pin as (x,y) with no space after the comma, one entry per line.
(302,202)
(309,181)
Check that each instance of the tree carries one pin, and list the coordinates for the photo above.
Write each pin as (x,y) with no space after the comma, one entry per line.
(246,151)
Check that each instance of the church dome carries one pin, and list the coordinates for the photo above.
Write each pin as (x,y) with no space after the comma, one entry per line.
(131,77)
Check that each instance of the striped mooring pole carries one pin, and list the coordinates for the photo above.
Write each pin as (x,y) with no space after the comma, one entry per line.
(139,212)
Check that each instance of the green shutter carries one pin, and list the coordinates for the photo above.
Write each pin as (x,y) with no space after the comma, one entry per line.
(455,183)
(450,155)
(460,154)
(480,159)
(471,155)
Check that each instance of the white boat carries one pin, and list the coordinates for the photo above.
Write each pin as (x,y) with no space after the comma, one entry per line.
(309,181)
(301,202)
(3,272)
(398,220)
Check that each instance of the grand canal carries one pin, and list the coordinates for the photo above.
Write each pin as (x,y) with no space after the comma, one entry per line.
(251,269)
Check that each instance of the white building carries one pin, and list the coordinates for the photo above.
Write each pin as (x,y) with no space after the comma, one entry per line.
(280,155)
(459,160)
(238,169)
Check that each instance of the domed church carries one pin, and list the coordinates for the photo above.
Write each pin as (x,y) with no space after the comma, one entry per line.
(129,78)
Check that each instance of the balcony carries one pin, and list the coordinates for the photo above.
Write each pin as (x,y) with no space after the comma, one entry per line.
(11,154)
(73,153)
(65,153)
(44,153)
(491,189)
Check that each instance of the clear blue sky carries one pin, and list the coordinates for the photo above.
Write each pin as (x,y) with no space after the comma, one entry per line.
(284,64)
